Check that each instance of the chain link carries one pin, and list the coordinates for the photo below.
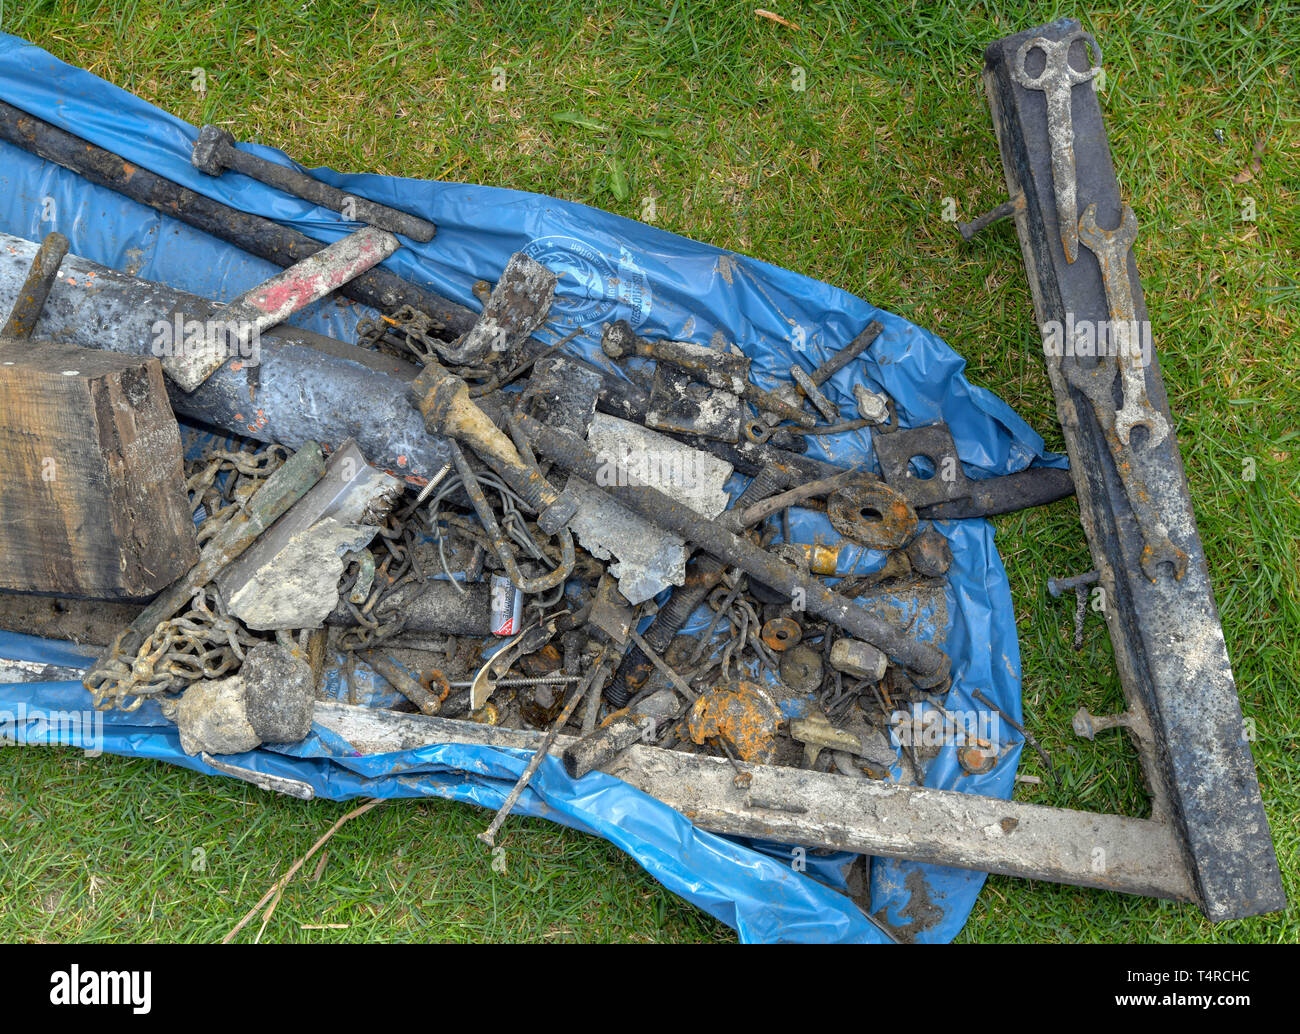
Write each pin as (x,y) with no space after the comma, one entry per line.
(204,641)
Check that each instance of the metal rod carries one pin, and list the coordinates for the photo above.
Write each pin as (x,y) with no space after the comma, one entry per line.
(215,151)
(36,288)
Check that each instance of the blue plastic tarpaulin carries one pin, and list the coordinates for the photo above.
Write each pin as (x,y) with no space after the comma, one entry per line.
(611,268)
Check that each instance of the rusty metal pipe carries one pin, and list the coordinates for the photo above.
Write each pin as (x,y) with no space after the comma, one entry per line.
(36,288)
(215,151)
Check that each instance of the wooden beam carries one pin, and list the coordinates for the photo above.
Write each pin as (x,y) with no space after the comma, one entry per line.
(92,487)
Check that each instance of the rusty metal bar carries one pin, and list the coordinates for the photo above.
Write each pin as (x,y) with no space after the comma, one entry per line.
(1164,625)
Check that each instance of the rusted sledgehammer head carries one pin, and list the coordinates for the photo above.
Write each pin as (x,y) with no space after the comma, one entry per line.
(209,154)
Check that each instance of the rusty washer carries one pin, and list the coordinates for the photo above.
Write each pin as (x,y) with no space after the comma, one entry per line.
(801,669)
(977,760)
(872,514)
(780,634)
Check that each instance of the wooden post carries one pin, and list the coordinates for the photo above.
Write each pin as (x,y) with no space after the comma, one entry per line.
(92,487)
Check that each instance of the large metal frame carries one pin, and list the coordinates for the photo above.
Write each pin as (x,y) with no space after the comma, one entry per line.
(1168,642)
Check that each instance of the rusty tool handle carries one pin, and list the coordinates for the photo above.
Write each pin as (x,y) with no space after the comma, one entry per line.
(36,288)
(215,151)
(847,354)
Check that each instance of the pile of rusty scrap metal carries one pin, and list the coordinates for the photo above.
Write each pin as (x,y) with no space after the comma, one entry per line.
(543,505)
(497,519)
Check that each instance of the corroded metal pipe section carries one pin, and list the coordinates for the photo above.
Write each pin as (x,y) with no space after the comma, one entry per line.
(310,387)
(928,664)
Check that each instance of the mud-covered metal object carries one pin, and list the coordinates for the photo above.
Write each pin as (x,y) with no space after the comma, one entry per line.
(517,306)
(116,667)
(938,477)
(620,731)
(443,401)
(781,634)
(215,151)
(938,486)
(724,370)
(288,579)
(741,713)
(539,583)
(683,405)
(927,663)
(861,660)
(1168,642)
(275,300)
(801,669)
(929,554)
(702,575)
(646,558)
(871,514)
(817,733)
(1057,81)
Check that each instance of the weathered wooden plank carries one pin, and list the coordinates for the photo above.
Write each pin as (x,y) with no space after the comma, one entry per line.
(92,489)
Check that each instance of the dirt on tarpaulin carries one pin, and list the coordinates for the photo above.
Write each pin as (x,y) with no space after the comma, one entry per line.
(922,912)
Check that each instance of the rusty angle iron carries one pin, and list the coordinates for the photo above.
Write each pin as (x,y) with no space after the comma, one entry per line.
(1133,496)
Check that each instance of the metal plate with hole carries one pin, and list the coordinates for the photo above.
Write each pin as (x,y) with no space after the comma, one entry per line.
(933,447)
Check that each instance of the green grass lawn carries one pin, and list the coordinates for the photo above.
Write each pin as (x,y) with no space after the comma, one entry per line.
(697,107)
